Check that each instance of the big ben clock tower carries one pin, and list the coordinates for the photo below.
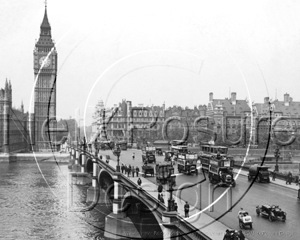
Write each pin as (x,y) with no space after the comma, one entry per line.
(45,73)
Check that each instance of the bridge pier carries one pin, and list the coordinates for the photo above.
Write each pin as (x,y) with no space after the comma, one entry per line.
(84,177)
(72,160)
(169,226)
(117,224)
(76,166)
(95,189)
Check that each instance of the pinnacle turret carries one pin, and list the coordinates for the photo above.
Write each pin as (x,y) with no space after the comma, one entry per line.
(22,107)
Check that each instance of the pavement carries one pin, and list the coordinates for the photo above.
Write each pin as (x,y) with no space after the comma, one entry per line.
(278,182)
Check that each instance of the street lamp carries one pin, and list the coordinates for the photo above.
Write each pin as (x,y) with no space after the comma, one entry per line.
(171,181)
(277,155)
(118,152)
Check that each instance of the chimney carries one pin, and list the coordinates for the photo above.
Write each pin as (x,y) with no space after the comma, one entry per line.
(266,100)
(286,99)
(233,98)
(211,97)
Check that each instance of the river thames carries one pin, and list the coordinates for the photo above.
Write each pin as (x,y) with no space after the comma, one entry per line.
(34,204)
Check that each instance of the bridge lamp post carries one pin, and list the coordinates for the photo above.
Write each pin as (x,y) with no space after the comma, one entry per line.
(118,152)
(171,180)
(277,155)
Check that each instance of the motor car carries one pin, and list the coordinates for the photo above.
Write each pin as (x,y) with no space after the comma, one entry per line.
(245,220)
(148,170)
(262,173)
(271,212)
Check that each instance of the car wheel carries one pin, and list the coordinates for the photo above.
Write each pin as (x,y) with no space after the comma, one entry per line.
(270,218)
(233,184)
(250,225)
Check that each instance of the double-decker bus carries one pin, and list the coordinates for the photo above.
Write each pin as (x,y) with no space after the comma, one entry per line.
(187,163)
(221,170)
(208,152)
(148,154)
(180,149)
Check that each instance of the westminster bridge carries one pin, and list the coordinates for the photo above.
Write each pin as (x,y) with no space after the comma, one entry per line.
(136,211)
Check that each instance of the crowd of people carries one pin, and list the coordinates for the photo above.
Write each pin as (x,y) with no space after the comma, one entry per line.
(130,170)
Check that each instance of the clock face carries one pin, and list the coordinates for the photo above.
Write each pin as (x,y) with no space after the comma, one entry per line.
(45,61)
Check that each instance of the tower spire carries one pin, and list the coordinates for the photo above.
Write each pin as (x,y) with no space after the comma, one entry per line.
(45,24)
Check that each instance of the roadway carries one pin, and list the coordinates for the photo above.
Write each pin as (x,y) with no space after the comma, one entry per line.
(257,194)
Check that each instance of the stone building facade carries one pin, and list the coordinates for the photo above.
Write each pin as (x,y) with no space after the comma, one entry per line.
(134,121)
(22,132)
(13,124)
(227,116)
(45,77)
(287,109)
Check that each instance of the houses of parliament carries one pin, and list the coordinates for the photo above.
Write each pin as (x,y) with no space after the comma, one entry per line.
(24,132)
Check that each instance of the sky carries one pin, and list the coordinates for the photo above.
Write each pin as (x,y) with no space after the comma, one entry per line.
(154,52)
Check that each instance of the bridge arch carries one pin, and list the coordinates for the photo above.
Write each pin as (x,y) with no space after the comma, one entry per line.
(106,184)
(145,220)
(88,166)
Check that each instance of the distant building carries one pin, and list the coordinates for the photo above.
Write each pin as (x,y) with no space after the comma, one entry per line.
(45,77)
(286,108)
(227,114)
(187,116)
(13,124)
(24,132)
(128,117)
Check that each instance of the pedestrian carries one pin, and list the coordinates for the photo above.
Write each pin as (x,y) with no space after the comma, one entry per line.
(289,178)
(133,156)
(125,169)
(186,209)
(107,161)
(175,207)
(274,175)
(160,188)
(227,235)
(162,200)
(137,170)
(241,235)
(298,180)
(139,182)
(132,170)
(128,170)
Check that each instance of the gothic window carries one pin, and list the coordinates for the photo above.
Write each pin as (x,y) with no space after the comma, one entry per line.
(145,113)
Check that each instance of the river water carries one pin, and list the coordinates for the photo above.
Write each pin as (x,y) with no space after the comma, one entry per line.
(34,204)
